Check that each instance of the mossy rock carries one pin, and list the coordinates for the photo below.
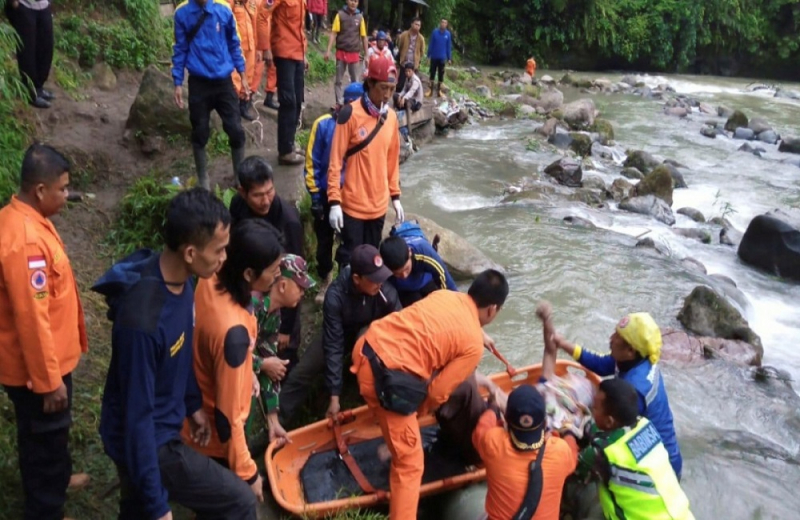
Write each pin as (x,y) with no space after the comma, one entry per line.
(632,173)
(533,91)
(604,128)
(583,83)
(581,144)
(567,79)
(706,313)
(737,120)
(659,182)
(558,114)
(641,160)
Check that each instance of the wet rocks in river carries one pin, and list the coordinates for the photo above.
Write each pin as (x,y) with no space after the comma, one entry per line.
(730,237)
(604,129)
(769,137)
(692,264)
(621,189)
(632,173)
(605,152)
(677,176)
(594,182)
(705,108)
(588,196)
(701,235)
(677,111)
(723,111)
(744,133)
(708,131)
(786,94)
(659,182)
(579,222)
(748,148)
(549,99)
(693,214)
(560,139)
(581,144)
(548,128)
(706,313)
(773,245)
(758,125)
(649,205)
(642,160)
(566,171)
(683,347)
(721,222)
(736,120)
(790,145)
(580,114)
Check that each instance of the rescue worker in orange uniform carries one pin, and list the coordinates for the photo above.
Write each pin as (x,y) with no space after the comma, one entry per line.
(246,12)
(281,37)
(42,330)
(409,362)
(530,68)
(225,333)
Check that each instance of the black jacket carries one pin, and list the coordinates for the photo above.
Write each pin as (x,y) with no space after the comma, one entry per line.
(286,219)
(345,312)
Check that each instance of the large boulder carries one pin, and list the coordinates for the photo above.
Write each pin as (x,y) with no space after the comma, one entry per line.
(744,133)
(773,245)
(682,347)
(769,137)
(790,145)
(649,205)
(580,114)
(758,125)
(593,182)
(581,144)
(706,313)
(604,129)
(549,100)
(464,261)
(659,182)
(723,111)
(642,160)
(736,120)
(424,133)
(621,189)
(566,171)
(154,112)
(548,128)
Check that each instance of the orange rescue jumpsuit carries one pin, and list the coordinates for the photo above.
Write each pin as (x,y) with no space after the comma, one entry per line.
(223,364)
(440,334)
(246,12)
(42,328)
(531,67)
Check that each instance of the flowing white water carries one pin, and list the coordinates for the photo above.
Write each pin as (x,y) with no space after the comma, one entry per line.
(740,439)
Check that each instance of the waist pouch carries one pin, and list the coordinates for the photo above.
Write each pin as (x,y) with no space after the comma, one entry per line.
(398,392)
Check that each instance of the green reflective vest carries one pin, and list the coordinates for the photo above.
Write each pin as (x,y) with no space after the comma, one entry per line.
(642,483)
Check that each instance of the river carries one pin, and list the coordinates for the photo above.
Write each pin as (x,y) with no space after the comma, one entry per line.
(740,439)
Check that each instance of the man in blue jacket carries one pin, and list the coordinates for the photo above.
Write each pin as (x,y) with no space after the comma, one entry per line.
(318,156)
(151,387)
(417,268)
(440,50)
(207,44)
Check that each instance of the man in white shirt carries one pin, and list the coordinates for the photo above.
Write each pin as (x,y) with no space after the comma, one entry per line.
(412,95)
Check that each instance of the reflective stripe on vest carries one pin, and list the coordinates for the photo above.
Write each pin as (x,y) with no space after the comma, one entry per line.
(655,375)
(642,484)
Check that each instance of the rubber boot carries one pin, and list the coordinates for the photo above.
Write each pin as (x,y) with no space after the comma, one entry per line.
(201,165)
(237,156)
(270,101)
(438,89)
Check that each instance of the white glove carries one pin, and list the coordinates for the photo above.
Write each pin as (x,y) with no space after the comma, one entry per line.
(398,211)
(336,218)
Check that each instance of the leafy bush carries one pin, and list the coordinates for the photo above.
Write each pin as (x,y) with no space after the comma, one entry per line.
(319,70)
(14,130)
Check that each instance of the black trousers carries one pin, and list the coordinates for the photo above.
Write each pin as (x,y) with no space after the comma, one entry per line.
(206,95)
(325,240)
(437,66)
(42,446)
(356,232)
(291,85)
(194,481)
(35,49)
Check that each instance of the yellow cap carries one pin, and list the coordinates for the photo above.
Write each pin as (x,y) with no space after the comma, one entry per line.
(641,332)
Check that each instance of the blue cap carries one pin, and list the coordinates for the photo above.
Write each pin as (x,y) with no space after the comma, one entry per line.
(526,416)
(381,36)
(353,92)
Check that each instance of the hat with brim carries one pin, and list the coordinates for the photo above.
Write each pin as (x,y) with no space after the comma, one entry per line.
(366,261)
(526,416)
(294,268)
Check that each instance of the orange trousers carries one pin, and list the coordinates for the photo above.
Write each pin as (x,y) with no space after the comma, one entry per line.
(254,71)
(404,440)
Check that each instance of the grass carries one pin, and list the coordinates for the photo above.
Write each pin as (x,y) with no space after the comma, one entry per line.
(319,70)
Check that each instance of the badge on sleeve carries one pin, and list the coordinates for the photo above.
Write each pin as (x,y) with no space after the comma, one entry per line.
(38,280)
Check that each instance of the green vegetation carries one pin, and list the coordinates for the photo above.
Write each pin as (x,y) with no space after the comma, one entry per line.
(319,70)
(14,129)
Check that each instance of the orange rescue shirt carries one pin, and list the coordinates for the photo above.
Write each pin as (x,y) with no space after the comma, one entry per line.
(439,333)
(281,28)
(246,13)
(223,364)
(507,470)
(373,174)
(42,328)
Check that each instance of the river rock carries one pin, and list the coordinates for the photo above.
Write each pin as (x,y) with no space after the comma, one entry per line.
(547,79)
(483,91)
(659,182)
(525,99)
(621,189)
(632,173)
(526,79)
(566,171)
(772,245)
(104,77)
(579,222)
(723,111)
(692,264)
(769,137)
(709,132)
(594,182)
(747,148)
(642,160)
(604,129)
(683,347)
(789,145)
(560,139)
(692,214)
(526,110)
(657,246)
(736,120)
(705,108)
(677,111)
(605,152)
(424,134)
(701,235)
(790,216)
(464,261)
(678,181)
(581,144)
(154,112)
(758,125)
(649,205)
(548,128)
(786,94)
(721,222)
(706,313)
(730,237)
(549,99)
(590,197)
(744,133)
(580,114)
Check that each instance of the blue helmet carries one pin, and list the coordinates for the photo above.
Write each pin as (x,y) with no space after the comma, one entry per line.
(381,36)
(353,92)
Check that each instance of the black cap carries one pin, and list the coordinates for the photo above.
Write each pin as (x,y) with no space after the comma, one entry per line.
(365,260)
